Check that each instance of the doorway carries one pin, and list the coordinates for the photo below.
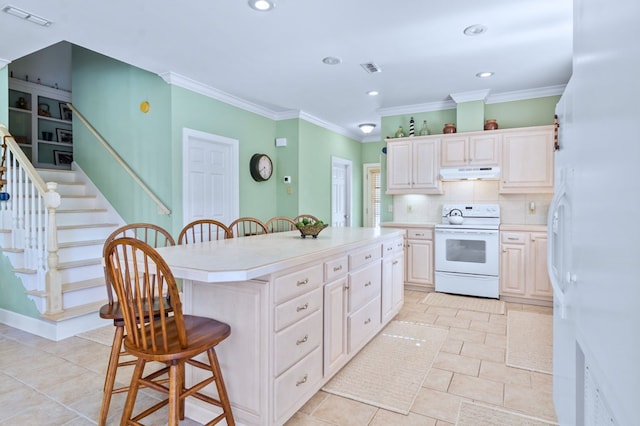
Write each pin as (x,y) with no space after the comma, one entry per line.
(340,192)
(372,194)
(210,180)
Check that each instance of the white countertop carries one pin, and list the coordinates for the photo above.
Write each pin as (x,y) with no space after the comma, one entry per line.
(407,225)
(241,259)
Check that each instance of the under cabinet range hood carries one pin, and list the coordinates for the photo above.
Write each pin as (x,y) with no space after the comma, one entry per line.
(470,173)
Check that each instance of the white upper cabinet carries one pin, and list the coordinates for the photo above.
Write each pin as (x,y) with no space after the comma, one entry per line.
(527,160)
(413,166)
(471,149)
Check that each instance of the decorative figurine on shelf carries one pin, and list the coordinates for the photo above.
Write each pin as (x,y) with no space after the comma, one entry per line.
(22,103)
(399,132)
(425,130)
(412,126)
(491,124)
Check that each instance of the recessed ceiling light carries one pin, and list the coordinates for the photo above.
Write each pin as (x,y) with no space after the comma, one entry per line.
(474,30)
(367,127)
(262,5)
(373,93)
(332,60)
(485,74)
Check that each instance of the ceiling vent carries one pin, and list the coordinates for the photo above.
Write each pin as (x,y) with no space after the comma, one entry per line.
(370,67)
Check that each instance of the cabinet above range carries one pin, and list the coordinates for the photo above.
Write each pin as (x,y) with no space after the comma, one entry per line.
(522,159)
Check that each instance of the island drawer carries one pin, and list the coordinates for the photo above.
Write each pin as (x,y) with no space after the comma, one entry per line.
(300,381)
(294,310)
(297,283)
(362,257)
(391,247)
(364,285)
(294,342)
(363,324)
(419,234)
(335,268)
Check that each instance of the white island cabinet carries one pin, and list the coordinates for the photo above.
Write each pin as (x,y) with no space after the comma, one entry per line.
(299,309)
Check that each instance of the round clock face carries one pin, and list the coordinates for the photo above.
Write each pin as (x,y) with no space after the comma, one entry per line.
(261,167)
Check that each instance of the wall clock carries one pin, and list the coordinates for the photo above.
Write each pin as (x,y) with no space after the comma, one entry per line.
(260,167)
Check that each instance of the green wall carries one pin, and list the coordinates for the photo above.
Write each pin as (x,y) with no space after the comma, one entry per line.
(287,165)
(12,293)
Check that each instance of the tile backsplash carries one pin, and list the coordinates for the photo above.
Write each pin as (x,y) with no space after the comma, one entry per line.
(514,208)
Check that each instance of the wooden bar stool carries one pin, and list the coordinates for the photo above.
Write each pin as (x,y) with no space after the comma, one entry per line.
(280,224)
(138,273)
(202,230)
(247,226)
(156,237)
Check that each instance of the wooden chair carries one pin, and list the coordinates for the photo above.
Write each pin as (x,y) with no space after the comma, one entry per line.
(137,273)
(204,230)
(302,216)
(280,224)
(156,237)
(247,226)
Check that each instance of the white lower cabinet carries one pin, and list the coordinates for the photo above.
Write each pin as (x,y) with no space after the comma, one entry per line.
(420,258)
(363,324)
(335,325)
(392,278)
(298,382)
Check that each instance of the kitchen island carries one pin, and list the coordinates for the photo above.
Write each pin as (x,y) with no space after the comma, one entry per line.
(299,309)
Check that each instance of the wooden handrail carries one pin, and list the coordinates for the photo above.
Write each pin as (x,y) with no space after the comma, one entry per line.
(162,209)
(24,162)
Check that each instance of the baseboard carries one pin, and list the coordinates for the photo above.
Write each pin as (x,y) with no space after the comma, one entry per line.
(50,330)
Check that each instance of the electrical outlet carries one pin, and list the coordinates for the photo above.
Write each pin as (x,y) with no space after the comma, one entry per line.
(409,209)
(390,208)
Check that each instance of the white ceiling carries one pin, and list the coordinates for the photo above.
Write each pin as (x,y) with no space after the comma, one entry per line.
(274,60)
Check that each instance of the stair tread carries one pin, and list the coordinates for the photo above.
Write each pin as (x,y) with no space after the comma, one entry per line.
(76,311)
(81,285)
(93,210)
(78,263)
(80,243)
(92,225)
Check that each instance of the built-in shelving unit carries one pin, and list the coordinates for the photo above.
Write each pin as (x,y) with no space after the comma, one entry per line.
(40,121)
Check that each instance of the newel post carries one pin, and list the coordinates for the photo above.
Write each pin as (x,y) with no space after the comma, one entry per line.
(53,280)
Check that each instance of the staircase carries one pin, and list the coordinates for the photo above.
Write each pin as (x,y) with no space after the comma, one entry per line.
(84,220)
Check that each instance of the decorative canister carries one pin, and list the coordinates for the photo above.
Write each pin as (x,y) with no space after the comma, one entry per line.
(424,131)
(491,124)
(449,128)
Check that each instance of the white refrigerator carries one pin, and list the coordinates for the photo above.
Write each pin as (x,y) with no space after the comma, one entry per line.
(594,246)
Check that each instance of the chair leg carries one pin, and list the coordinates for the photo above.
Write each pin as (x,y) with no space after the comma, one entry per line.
(181,373)
(133,391)
(174,394)
(112,368)
(222,389)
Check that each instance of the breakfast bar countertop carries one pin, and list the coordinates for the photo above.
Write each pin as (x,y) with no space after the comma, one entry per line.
(246,258)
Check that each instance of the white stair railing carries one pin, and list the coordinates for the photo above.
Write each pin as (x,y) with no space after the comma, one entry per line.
(30,214)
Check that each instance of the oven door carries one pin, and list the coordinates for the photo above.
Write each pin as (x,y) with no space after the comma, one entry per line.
(467,251)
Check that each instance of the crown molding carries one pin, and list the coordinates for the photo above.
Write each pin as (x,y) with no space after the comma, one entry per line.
(211,92)
(415,108)
(476,95)
(186,83)
(521,95)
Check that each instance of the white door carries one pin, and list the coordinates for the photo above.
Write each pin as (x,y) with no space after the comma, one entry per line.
(371,192)
(210,177)
(340,192)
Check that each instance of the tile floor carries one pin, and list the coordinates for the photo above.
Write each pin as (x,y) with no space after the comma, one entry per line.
(60,383)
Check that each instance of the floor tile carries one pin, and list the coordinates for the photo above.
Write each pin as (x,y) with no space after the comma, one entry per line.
(477,389)
(436,404)
(438,379)
(499,372)
(344,412)
(386,418)
(483,352)
(530,401)
(457,363)
(467,335)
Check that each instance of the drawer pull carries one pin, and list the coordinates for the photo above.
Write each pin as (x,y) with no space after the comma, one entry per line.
(303,307)
(513,238)
(303,282)
(395,262)
(367,284)
(419,235)
(367,321)
(367,257)
(303,340)
(337,268)
(389,248)
(303,381)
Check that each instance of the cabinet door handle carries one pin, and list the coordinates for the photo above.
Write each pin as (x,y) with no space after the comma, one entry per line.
(303,380)
(395,262)
(303,340)
(367,284)
(303,307)
(337,268)
(389,248)
(303,282)
(367,321)
(367,257)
